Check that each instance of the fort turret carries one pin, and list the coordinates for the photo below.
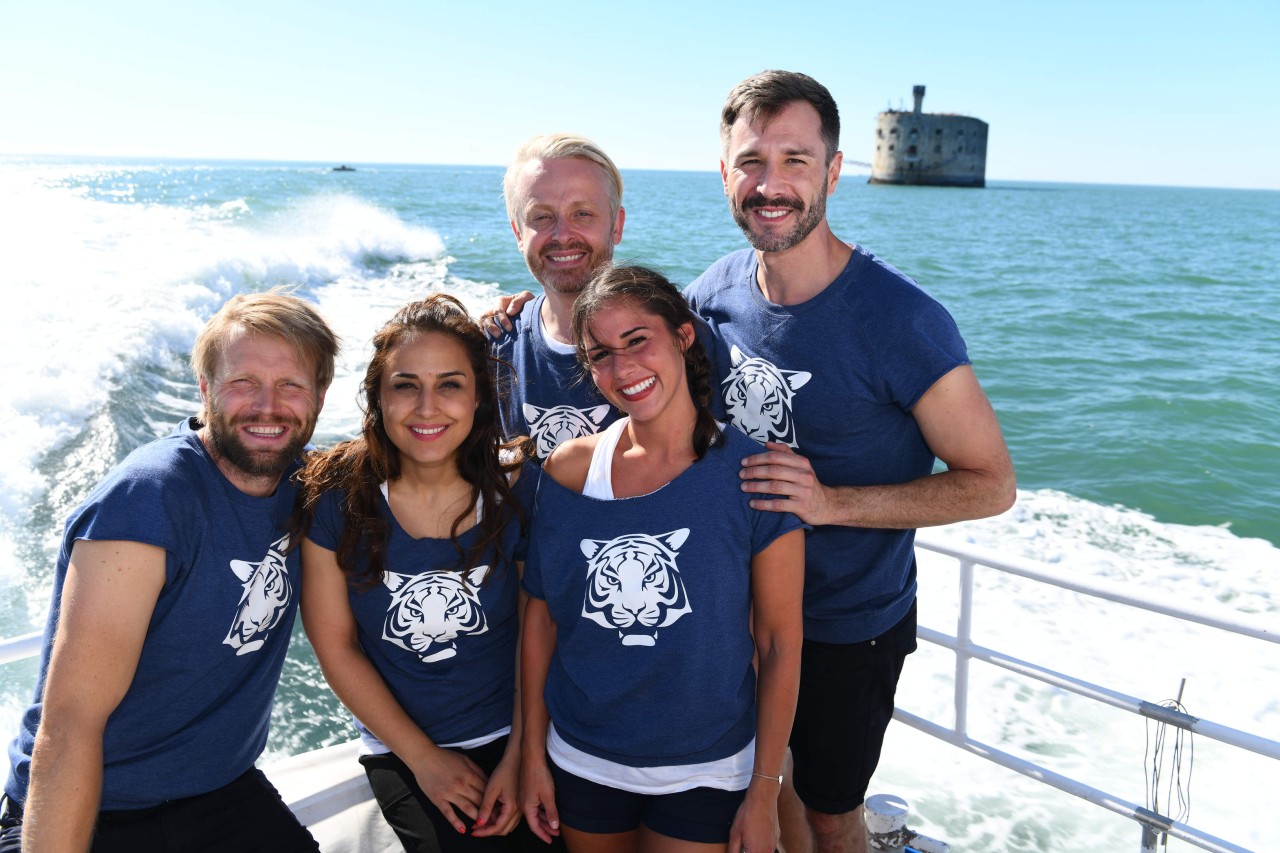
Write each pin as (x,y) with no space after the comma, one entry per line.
(930,149)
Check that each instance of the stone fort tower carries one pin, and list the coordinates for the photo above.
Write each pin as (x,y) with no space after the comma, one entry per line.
(932,149)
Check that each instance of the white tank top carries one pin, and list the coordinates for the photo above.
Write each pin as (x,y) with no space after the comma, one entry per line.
(599,483)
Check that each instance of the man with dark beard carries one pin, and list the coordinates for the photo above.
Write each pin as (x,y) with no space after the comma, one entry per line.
(564,200)
(855,380)
(174,598)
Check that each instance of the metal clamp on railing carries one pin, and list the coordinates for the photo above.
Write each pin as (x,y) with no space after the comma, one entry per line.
(886,817)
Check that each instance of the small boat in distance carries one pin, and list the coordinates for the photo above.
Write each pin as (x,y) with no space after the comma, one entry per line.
(343,168)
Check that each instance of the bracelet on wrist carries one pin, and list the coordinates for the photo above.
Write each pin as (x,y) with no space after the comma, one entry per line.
(777,778)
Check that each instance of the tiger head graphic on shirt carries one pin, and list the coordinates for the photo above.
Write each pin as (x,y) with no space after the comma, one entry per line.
(758,397)
(429,611)
(550,427)
(634,585)
(265,594)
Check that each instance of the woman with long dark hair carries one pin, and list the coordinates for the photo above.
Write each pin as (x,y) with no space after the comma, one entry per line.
(655,595)
(410,581)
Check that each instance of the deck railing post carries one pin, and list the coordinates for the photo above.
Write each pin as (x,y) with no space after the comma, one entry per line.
(964,641)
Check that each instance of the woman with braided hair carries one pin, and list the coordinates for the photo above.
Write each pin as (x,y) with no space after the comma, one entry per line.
(656,594)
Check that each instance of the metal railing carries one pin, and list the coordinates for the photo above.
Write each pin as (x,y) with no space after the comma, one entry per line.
(1152,824)
(19,648)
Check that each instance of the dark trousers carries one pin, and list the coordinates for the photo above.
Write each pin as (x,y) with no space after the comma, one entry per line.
(246,815)
(418,823)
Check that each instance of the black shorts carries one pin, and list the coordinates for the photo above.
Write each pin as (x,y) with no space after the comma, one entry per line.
(246,815)
(845,705)
(10,826)
(703,815)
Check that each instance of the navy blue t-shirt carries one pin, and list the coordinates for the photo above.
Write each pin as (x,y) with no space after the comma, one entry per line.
(651,598)
(836,378)
(442,638)
(197,712)
(549,398)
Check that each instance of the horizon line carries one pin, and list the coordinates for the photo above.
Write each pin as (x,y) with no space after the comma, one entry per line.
(333,164)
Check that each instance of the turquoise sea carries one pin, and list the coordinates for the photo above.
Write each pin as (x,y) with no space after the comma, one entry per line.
(1129,338)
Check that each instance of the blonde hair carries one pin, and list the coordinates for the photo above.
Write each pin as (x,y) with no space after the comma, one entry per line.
(276,312)
(561,146)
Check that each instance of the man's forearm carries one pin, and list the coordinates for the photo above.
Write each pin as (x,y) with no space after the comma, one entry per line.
(66,787)
(941,498)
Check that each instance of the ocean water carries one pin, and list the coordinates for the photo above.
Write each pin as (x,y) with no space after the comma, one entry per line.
(1129,338)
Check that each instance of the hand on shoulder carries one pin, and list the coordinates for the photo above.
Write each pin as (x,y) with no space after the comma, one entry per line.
(496,320)
(788,476)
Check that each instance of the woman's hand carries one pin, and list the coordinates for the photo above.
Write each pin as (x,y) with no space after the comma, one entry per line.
(538,798)
(755,826)
(452,782)
(500,810)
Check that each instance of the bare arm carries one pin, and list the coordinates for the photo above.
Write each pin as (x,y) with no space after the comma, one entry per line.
(450,780)
(777,590)
(110,592)
(537,792)
(570,462)
(961,429)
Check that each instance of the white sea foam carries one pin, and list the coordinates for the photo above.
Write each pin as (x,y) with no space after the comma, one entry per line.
(102,288)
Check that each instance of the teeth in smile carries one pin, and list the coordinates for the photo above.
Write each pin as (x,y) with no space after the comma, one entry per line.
(427,430)
(561,259)
(774,214)
(268,432)
(639,386)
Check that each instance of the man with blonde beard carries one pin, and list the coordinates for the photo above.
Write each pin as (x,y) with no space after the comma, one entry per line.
(174,599)
(564,201)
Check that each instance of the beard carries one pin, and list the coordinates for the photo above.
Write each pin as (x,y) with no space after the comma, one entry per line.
(569,281)
(258,463)
(807,219)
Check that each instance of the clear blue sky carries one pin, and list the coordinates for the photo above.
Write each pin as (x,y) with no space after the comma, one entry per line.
(1113,92)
